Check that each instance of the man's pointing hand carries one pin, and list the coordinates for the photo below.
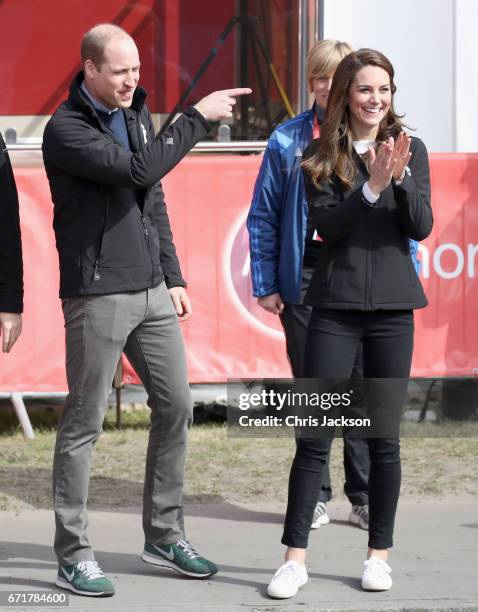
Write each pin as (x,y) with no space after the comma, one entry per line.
(218,105)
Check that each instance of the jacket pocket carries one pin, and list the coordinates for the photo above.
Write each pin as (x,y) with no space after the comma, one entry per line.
(153,242)
(125,241)
(96,274)
(326,265)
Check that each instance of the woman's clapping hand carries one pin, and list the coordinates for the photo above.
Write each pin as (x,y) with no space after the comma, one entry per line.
(389,161)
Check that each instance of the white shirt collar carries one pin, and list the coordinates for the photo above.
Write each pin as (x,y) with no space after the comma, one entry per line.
(362,146)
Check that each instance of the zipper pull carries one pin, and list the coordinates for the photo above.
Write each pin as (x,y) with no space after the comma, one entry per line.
(144,225)
(96,275)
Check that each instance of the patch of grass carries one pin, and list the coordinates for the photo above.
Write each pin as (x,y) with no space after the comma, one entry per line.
(44,416)
(235,469)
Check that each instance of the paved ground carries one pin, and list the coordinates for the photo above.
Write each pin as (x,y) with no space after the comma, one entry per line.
(434,562)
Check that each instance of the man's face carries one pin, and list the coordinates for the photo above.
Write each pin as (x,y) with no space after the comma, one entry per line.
(114,81)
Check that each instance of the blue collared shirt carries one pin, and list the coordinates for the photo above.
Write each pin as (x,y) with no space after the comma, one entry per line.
(95,103)
(115,122)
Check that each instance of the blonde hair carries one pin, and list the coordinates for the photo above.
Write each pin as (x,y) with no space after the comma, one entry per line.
(324,57)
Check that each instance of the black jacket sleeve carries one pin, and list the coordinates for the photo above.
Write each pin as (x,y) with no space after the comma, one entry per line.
(412,196)
(73,144)
(168,258)
(167,251)
(11,265)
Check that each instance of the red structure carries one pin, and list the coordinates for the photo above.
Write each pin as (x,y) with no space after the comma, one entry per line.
(229,336)
(208,196)
(40,47)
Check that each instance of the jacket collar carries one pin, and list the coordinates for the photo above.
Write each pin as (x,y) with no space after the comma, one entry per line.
(78,98)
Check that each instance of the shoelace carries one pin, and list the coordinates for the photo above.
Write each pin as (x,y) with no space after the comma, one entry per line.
(91,569)
(288,569)
(188,549)
(374,563)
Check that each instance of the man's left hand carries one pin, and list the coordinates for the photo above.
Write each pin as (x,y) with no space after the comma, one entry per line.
(181,302)
(10,329)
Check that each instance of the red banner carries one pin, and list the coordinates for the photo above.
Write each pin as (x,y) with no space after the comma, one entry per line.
(229,336)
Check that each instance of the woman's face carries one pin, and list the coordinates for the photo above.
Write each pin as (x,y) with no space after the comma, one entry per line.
(320,87)
(369,101)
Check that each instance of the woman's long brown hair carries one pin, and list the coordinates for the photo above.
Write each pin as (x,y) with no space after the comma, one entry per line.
(335,153)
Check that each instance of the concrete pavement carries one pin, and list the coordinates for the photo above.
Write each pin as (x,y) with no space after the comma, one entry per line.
(434,562)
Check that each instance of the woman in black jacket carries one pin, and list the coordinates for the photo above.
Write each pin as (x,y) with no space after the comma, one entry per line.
(368,189)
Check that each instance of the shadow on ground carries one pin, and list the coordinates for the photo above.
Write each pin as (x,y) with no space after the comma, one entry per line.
(19,555)
(32,487)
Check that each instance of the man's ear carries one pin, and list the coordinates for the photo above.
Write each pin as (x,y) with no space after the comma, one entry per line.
(311,85)
(90,68)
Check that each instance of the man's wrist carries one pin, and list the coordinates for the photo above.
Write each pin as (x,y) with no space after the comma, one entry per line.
(197,107)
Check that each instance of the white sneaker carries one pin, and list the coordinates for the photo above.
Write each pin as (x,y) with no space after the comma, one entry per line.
(287,580)
(320,516)
(376,575)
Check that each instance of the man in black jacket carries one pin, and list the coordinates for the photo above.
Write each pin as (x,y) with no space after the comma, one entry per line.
(122,289)
(11,266)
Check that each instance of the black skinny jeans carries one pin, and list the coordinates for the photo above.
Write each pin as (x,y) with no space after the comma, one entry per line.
(295,321)
(387,338)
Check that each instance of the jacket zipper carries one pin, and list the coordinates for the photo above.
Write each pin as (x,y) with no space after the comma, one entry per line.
(96,274)
(146,237)
(368,301)
(372,257)
(368,266)
(139,132)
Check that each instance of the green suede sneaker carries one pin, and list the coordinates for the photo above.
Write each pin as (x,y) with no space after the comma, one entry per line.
(85,578)
(181,557)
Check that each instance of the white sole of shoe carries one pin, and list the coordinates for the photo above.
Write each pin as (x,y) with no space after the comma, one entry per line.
(165,563)
(369,586)
(280,596)
(64,584)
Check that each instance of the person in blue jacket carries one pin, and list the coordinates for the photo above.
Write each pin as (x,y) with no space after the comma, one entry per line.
(284,253)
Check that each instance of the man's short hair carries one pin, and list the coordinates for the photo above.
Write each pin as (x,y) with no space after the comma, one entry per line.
(94,42)
(324,57)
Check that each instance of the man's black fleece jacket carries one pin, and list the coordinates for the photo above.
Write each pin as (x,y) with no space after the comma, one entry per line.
(111,224)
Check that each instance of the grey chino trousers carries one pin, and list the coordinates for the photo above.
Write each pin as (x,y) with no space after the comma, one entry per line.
(145,326)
